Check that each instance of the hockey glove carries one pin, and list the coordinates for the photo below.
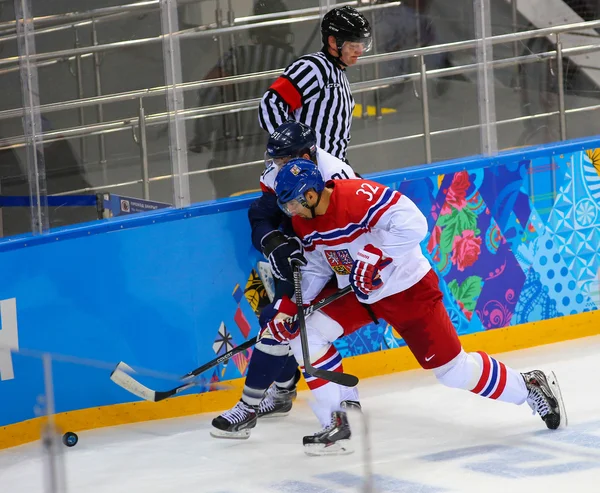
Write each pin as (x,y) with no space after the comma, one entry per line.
(274,325)
(281,251)
(364,276)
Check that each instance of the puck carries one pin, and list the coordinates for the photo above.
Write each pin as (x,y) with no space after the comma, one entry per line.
(70,439)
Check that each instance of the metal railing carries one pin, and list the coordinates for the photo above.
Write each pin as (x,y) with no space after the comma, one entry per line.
(66,20)
(312,14)
(379,58)
(223,25)
(10,27)
(142,121)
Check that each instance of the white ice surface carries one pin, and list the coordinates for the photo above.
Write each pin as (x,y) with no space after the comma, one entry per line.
(424,439)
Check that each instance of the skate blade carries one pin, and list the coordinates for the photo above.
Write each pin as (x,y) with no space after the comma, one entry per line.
(274,415)
(341,447)
(553,382)
(232,435)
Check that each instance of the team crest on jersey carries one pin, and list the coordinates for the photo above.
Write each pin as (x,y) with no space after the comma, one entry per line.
(340,261)
(295,170)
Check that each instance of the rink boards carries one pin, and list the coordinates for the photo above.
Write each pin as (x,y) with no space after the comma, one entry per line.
(513,238)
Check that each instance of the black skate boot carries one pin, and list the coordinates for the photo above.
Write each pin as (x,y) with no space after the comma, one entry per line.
(235,423)
(332,440)
(545,398)
(278,401)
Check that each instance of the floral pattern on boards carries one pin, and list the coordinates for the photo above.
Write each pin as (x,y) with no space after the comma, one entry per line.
(465,249)
(455,243)
(495,237)
(485,227)
(466,293)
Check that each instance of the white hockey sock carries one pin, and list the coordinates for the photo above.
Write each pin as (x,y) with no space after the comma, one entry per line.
(328,395)
(350,394)
(328,398)
(483,375)
(321,331)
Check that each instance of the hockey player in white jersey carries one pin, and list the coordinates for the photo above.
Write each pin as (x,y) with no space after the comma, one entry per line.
(369,236)
(272,367)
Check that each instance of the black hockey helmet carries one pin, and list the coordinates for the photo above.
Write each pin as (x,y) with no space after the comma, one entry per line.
(291,139)
(346,24)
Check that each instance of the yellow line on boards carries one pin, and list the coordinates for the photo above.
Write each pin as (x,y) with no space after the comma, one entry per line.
(364,366)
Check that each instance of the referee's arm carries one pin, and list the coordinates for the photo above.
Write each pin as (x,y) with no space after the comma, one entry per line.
(300,82)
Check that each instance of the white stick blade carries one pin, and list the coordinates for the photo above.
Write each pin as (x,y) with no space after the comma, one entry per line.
(126,381)
(266,276)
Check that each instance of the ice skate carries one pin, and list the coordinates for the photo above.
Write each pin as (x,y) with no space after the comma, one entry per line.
(332,440)
(235,423)
(545,398)
(277,402)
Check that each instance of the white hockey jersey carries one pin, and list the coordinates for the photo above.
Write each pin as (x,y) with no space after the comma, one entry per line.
(363,212)
(331,168)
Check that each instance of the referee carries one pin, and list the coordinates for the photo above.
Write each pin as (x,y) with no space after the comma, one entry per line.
(314,89)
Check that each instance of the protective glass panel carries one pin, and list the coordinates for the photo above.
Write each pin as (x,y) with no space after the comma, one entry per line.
(406,128)
(34,162)
(540,99)
(225,141)
(13,158)
(96,67)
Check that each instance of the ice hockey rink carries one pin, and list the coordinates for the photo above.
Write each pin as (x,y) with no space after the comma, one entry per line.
(423,438)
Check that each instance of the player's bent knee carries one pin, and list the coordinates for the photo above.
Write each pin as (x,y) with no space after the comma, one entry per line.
(460,373)
(321,331)
(322,328)
(316,349)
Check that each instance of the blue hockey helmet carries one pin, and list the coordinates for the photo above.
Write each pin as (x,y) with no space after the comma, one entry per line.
(294,179)
(291,139)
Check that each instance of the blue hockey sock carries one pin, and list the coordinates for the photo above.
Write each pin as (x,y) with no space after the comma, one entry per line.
(266,364)
(287,378)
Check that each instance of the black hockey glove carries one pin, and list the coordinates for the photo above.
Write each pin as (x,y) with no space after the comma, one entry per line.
(281,250)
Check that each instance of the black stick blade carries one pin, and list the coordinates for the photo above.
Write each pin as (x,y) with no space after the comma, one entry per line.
(344,379)
(162,395)
(159,396)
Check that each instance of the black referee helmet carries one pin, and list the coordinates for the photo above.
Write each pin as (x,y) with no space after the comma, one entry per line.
(346,24)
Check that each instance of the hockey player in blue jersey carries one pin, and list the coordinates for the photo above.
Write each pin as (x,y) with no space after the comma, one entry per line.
(273,371)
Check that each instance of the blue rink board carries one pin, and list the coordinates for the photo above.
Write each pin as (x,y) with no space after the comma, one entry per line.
(157,289)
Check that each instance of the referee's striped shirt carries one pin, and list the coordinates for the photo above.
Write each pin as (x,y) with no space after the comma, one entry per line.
(315,91)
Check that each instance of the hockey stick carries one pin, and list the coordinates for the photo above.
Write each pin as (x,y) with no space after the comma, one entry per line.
(266,276)
(344,379)
(120,375)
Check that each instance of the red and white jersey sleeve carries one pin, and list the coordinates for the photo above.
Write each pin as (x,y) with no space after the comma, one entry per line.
(363,212)
(331,168)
